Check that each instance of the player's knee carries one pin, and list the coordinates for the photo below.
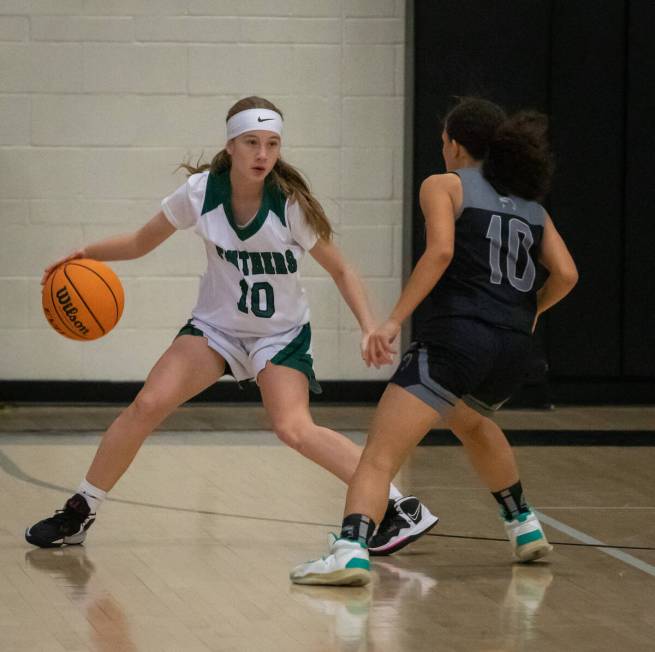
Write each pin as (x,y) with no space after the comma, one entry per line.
(378,462)
(148,406)
(291,433)
(480,426)
(474,428)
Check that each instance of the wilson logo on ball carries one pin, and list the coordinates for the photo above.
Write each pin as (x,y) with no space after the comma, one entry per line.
(67,306)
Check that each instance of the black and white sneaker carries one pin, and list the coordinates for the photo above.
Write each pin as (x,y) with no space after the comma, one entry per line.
(67,527)
(405,520)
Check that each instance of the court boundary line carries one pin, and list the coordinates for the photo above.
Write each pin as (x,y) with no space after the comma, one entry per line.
(591,541)
(13,470)
(615,507)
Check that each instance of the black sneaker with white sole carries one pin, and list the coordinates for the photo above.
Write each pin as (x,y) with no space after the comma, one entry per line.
(405,520)
(67,527)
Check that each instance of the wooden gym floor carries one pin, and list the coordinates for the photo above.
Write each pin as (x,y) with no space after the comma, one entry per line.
(193,549)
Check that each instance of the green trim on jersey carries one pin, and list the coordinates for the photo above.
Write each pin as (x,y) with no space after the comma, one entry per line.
(219,192)
(295,355)
(276,200)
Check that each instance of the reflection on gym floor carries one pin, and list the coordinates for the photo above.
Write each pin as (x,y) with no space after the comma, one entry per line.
(193,550)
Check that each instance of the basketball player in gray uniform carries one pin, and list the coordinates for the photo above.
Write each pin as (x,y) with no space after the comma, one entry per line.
(486,233)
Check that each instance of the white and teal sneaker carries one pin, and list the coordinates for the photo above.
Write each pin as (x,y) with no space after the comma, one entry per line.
(527,537)
(346,564)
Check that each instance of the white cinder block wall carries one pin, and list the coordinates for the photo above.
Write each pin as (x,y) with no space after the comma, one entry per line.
(101,99)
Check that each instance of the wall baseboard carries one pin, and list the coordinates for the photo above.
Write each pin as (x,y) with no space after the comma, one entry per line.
(557,392)
(522,437)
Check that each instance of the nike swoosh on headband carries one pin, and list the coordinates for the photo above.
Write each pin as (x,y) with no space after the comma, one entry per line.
(252,120)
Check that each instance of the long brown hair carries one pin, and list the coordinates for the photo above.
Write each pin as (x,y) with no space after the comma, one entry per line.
(287,178)
(514,149)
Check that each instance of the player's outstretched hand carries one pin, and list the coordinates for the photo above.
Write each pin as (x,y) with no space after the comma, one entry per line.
(379,347)
(79,253)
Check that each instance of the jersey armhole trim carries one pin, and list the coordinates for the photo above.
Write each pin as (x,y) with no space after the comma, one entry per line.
(463,206)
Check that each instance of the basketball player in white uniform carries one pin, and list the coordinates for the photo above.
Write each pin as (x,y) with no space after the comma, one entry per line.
(257,218)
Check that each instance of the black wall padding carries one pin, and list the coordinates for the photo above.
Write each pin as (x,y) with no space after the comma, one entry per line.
(639,271)
(591,67)
(587,128)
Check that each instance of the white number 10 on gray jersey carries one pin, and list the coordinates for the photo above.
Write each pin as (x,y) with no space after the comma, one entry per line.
(519,236)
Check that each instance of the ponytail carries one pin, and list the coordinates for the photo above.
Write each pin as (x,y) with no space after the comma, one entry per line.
(514,150)
(220,163)
(292,184)
(519,161)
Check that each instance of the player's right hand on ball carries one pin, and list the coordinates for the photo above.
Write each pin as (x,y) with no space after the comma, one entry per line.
(79,253)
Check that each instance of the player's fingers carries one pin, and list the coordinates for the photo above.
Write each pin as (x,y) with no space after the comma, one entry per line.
(51,268)
(46,273)
(387,358)
(367,353)
(372,351)
(366,358)
(389,349)
(379,352)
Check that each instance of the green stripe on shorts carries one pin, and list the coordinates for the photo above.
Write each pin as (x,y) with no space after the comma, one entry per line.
(295,355)
(190,329)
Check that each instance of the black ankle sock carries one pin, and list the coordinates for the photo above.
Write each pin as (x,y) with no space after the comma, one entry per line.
(357,527)
(512,501)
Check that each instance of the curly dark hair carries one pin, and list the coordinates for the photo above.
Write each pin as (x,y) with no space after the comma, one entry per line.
(514,149)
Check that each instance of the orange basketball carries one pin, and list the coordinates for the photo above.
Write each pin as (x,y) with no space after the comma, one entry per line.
(83,299)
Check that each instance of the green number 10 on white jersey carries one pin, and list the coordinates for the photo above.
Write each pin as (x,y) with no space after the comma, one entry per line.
(262,299)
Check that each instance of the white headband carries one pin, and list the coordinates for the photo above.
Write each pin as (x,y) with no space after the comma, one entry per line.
(253,120)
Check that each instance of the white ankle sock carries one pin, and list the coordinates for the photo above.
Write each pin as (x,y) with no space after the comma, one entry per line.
(92,495)
(394,494)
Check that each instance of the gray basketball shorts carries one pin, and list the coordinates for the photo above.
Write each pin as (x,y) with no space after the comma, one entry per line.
(465,359)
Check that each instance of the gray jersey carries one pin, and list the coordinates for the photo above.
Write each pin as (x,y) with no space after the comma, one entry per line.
(494,268)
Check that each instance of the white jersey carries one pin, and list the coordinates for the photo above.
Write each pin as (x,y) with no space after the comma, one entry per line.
(252,284)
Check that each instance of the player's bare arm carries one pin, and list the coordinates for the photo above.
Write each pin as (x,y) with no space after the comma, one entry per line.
(437,199)
(126,246)
(563,274)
